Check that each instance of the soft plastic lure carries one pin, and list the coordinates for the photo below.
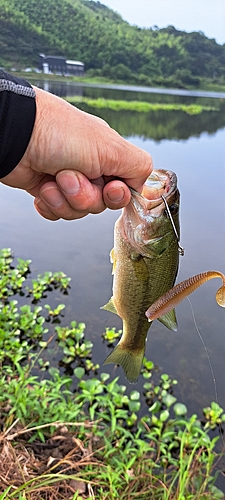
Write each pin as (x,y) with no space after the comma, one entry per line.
(175,295)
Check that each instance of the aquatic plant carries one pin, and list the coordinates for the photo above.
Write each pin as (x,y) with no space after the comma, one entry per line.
(139,106)
(89,441)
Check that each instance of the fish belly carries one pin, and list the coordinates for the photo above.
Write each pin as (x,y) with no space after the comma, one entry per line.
(138,282)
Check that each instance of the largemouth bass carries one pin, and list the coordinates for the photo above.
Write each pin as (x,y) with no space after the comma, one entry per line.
(145,263)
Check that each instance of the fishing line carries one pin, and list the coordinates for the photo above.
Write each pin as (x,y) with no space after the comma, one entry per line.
(209,362)
(180,248)
(206,351)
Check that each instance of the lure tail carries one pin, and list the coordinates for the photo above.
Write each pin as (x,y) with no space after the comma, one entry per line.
(175,295)
(130,361)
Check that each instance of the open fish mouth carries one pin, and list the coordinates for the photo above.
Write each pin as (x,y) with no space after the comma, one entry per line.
(151,218)
(159,183)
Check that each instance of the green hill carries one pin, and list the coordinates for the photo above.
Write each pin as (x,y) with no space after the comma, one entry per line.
(109,46)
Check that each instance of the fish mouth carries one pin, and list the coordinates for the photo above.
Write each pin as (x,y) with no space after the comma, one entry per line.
(146,224)
(161,183)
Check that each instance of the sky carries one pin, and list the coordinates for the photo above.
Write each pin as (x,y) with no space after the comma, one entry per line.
(207,16)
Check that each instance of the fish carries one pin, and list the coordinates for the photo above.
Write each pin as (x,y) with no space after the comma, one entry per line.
(167,302)
(145,261)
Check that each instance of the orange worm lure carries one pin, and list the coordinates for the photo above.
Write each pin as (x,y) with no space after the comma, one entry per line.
(175,295)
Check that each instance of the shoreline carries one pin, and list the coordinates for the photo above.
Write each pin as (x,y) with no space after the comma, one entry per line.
(209,90)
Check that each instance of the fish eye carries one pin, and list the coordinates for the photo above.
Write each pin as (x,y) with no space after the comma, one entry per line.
(173,209)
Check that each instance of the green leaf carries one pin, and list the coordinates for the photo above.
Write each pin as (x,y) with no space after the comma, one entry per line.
(135,395)
(168,399)
(155,407)
(79,372)
(164,415)
(42,343)
(134,406)
(5,493)
(149,365)
(104,376)
(180,409)
(216,493)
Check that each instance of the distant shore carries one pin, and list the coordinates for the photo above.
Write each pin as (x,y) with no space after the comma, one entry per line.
(206,84)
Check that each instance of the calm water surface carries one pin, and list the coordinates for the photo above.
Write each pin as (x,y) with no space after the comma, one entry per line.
(194,148)
(72,88)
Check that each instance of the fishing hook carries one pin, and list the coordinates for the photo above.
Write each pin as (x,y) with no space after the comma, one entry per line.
(180,248)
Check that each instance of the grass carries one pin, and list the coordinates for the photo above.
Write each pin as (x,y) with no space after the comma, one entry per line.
(75,433)
(139,106)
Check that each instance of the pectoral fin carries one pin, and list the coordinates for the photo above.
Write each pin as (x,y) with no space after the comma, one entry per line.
(113,260)
(169,320)
(110,306)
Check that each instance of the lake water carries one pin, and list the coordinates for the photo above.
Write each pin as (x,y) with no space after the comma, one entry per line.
(193,147)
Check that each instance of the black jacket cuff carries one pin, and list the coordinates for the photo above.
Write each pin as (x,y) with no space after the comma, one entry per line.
(17,117)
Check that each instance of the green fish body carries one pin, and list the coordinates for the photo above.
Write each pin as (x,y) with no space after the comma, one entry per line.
(145,263)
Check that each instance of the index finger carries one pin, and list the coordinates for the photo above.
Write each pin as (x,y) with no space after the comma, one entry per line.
(126,162)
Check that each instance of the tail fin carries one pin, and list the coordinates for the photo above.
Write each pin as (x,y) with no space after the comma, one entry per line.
(130,361)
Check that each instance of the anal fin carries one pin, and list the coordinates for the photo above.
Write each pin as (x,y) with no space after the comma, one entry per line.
(169,320)
(110,306)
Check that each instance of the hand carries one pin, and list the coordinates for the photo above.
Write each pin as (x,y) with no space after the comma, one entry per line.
(73,161)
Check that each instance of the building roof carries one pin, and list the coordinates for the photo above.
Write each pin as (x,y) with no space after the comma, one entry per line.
(77,63)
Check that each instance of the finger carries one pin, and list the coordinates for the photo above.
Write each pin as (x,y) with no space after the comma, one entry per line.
(50,212)
(137,165)
(124,160)
(53,205)
(116,194)
(73,197)
(81,194)
(44,210)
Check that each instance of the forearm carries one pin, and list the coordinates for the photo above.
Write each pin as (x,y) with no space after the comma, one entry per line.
(68,160)
(17,116)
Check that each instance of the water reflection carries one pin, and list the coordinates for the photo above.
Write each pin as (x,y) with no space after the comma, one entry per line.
(129,92)
(81,249)
(153,125)
(61,89)
(160,124)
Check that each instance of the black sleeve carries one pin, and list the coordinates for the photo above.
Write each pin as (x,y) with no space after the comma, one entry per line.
(17,116)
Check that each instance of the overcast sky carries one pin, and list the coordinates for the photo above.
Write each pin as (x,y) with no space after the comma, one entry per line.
(188,15)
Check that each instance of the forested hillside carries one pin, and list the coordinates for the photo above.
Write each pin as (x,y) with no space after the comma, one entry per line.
(109,46)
